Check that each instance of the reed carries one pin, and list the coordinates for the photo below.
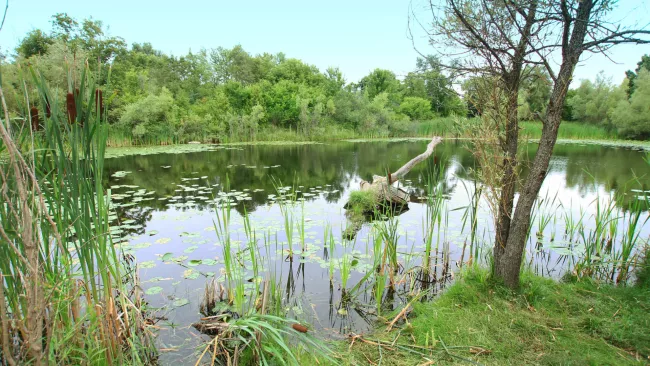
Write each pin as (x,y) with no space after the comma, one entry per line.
(67,293)
(433,218)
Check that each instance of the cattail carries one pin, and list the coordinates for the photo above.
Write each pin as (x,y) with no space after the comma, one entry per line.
(72,107)
(34,114)
(99,102)
(299,327)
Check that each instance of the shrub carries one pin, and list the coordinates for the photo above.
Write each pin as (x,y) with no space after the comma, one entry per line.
(416,108)
(632,118)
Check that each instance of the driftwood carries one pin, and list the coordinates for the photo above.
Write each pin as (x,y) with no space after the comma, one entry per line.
(383,186)
(386,195)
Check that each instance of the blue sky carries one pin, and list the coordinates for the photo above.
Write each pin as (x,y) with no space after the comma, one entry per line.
(355,35)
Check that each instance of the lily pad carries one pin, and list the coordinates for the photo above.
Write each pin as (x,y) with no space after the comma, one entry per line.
(194,262)
(191,274)
(154,290)
(148,264)
(180,302)
(191,249)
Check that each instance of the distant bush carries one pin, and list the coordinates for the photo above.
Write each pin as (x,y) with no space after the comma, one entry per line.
(632,117)
(415,107)
(152,116)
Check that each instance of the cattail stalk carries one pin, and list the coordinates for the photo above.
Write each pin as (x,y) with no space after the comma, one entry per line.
(99,103)
(34,117)
(71,107)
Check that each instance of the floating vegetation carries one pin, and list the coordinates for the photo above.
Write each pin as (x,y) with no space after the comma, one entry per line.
(255,249)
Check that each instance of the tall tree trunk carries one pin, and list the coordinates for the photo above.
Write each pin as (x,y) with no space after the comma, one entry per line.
(508,266)
(509,179)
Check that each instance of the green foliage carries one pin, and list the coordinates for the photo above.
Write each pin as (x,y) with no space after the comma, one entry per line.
(211,95)
(593,102)
(545,323)
(644,64)
(534,93)
(379,81)
(35,43)
(152,116)
(415,107)
(245,125)
(431,83)
(632,118)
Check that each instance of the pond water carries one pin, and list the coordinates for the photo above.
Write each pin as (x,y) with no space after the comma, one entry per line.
(166,218)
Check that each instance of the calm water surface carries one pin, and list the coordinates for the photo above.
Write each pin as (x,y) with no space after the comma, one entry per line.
(166,210)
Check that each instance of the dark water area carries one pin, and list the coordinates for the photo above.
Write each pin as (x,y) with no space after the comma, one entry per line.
(165,218)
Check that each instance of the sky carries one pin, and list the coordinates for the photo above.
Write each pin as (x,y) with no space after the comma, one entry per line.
(355,35)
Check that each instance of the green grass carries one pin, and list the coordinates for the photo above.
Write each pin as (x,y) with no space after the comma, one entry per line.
(362,202)
(544,323)
(441,126)
(570,130)
(446,126)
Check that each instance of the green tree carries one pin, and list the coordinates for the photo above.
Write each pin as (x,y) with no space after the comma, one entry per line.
(593,102)
(632,75)
(632,118)
(437,87)
(415,107)
(35,43)
(534,93)
(380,81)
(89,36)
(151,117)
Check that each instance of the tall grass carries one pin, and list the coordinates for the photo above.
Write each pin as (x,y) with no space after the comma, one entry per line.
(67,296)
(447,127)
(570,130)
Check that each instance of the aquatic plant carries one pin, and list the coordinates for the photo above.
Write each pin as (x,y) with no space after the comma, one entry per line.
(263,340)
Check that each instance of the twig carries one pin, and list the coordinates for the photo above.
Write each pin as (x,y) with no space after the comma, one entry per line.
(401,313)
(456,356)
(4,16)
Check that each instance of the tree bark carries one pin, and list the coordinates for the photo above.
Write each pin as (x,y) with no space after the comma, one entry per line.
(508,266)
(512,82)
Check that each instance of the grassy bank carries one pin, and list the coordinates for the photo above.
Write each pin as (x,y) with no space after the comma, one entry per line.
(443,126)
(531,129)
(545,323)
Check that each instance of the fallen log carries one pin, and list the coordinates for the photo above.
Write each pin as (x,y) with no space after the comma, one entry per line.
(383,186)
(382,194)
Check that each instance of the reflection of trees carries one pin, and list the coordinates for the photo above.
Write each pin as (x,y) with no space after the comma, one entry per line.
(337,164)
(307,165)
(588,167)
(139,214)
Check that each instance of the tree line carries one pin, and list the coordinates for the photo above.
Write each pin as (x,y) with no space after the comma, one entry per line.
(228,94)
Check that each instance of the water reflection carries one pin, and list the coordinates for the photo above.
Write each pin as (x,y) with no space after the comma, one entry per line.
(586,168)
(167,208)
